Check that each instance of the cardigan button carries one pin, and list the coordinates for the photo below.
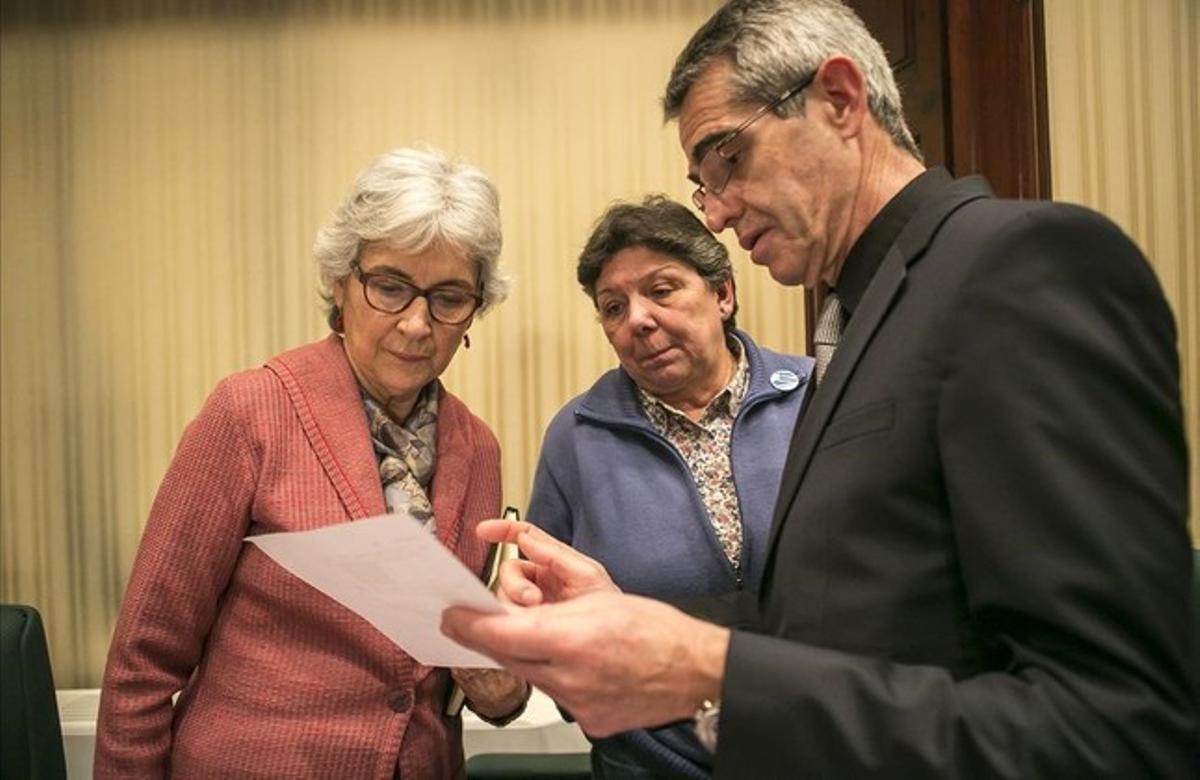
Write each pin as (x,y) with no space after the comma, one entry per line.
(401,701)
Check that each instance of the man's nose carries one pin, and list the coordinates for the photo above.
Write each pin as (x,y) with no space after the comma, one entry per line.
(719,211)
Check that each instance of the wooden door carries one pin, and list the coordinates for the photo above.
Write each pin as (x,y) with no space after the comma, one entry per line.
(973,80)
(972,76)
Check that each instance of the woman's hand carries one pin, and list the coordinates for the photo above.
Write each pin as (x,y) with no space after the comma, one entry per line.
(492,694)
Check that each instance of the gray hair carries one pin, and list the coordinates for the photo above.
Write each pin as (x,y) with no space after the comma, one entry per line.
(660,225)
(775,44)
(412,199)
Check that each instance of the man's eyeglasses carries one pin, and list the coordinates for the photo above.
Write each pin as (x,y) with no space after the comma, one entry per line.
(716,166)
(390,294)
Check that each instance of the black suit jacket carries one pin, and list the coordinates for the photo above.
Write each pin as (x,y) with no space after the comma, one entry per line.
(980,563)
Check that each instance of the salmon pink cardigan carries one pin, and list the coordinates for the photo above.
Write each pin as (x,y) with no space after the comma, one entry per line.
(276,679)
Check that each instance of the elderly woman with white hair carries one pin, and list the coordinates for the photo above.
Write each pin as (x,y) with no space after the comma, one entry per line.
(274,678)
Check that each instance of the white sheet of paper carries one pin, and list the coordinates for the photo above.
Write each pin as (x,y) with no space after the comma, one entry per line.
(392,572)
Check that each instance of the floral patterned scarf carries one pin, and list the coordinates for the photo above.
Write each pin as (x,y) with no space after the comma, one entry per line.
(407,452)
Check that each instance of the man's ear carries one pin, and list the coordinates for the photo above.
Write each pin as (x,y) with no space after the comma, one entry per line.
(844,87)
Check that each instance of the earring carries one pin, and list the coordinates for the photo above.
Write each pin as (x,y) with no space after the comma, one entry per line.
(466,340)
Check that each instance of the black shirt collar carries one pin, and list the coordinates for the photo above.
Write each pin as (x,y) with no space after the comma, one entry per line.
(871,247)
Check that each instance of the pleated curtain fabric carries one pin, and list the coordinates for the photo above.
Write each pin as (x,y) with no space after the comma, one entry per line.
(99,99)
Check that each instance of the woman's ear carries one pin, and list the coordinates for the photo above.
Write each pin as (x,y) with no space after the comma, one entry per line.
(726,298)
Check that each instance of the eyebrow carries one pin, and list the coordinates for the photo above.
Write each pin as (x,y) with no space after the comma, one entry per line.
(702,148)
(651,276)
(704,144)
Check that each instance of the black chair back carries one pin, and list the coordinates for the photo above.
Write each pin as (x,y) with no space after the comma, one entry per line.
(31,744)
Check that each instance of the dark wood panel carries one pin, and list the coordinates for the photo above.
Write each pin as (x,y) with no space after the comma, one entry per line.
(997,75)
(972,74)
(913,36)
(973,78)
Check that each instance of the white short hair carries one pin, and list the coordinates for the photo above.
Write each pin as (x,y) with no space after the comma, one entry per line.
(412,199)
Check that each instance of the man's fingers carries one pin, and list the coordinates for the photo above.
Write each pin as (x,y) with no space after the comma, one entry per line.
(497,531)
(577,572)
(510,638)
(572,567)
(580,572)
(551,569)
(540,547)
(517,585)
(534,543)
(510,531)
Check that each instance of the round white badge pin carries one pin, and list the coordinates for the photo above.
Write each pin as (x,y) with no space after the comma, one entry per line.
(785,380)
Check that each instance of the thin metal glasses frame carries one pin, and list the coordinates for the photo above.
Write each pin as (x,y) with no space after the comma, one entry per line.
(721,172)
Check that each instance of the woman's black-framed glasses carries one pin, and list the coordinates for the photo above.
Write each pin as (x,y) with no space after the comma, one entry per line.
(716,166)
(390,294)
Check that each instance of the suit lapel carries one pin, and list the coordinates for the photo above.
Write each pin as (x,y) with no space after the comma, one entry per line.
(885,287)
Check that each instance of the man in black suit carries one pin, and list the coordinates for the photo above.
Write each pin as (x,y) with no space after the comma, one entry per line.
(980,562)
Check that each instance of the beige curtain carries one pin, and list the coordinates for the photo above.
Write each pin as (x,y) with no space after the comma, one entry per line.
(1124,93)
(165,168)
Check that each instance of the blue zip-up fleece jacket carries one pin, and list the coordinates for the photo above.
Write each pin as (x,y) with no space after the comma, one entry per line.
(612,487)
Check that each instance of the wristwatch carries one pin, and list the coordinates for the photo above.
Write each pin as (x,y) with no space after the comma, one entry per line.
(705,723)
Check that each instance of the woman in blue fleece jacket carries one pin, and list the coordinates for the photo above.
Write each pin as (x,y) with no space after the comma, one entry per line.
(666,470)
